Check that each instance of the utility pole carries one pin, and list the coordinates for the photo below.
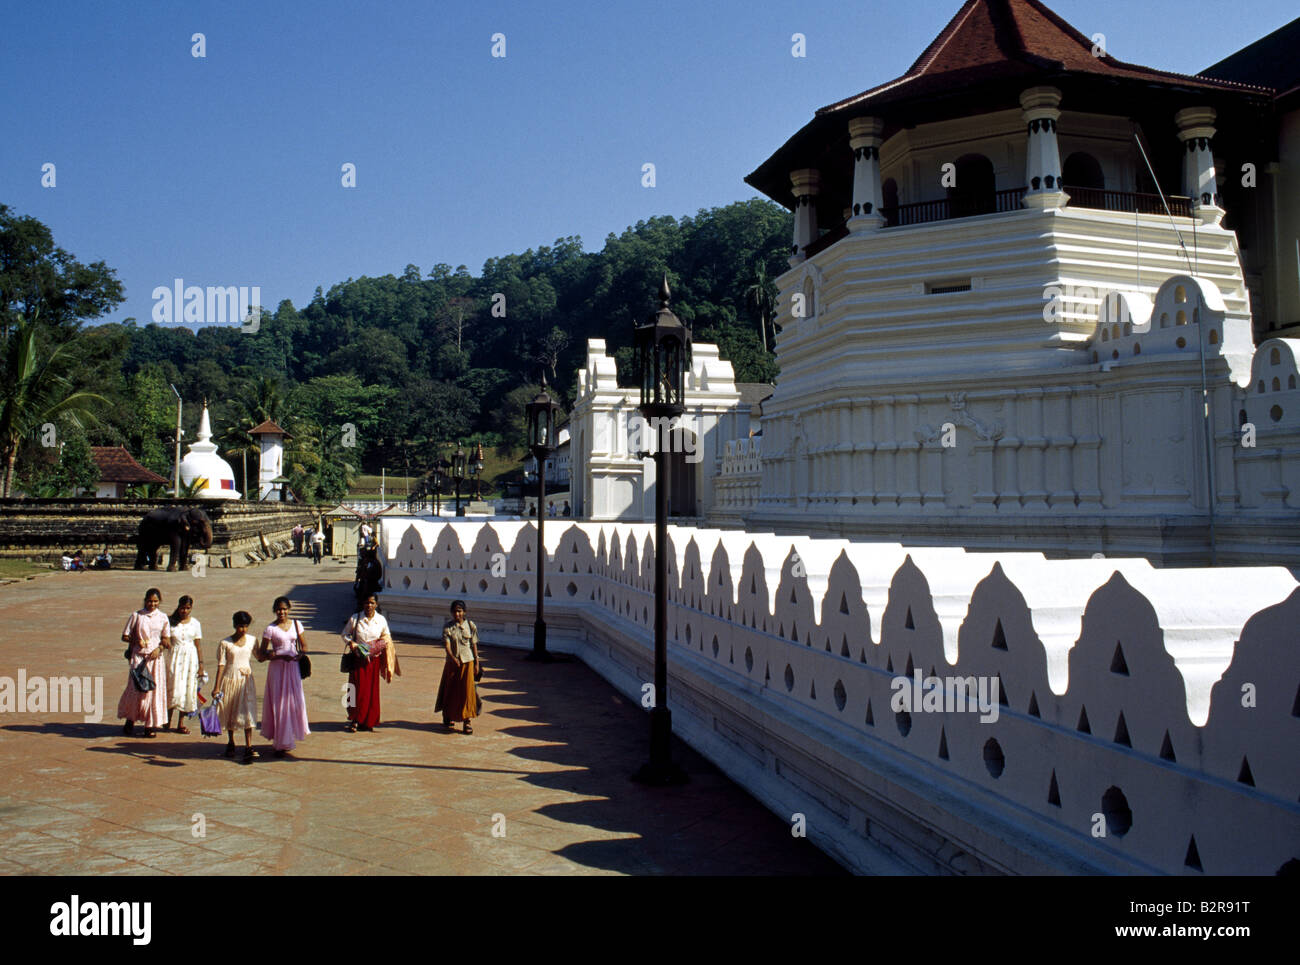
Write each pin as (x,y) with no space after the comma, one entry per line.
(176,476)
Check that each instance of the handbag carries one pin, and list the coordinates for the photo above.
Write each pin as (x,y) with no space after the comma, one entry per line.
(349,659)
(141,677)
(304,661)
(210,721)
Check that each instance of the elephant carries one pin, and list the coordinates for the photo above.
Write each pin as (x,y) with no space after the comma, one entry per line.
(180,528)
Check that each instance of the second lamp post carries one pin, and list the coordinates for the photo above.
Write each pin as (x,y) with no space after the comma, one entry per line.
(543,414)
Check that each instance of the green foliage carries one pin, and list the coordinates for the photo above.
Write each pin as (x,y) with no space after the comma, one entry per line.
(411,362)
(64,469)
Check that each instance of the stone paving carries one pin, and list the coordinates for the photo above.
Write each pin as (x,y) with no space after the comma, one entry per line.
(548,764)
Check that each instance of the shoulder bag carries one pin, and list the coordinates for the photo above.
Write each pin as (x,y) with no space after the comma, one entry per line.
(304,662)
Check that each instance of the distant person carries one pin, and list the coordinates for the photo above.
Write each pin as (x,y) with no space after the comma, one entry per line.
(568,510)
(532,509)
(550,509)
(284,708)
(147,635)
(457,695)
(317,546)
(365,534)
(104,561)
(235,686)
(297,539)
(185,664)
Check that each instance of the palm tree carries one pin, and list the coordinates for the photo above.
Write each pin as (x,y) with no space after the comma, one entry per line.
(34,391)
(762,295)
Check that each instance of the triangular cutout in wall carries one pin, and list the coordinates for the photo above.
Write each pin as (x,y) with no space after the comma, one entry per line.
(1121,731)
(1167,749)
(1244,776)
(1117,662)
(999,637)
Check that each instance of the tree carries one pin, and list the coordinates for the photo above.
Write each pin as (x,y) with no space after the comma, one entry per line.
(67,469)
(40,280)
(454,315)
(761,293)
(37,390)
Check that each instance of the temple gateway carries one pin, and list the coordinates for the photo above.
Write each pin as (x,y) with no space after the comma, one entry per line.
(1038,298)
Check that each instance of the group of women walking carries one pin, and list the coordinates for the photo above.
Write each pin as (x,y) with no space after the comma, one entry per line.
(166,670)
(165,656)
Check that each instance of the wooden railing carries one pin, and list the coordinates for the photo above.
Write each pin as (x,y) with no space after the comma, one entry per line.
(946,209)
(1127,201)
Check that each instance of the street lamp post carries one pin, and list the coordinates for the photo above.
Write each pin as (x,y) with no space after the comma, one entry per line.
(458,473)
(543,413)
(662,349)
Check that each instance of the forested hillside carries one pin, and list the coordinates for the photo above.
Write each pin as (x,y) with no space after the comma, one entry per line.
(408,361)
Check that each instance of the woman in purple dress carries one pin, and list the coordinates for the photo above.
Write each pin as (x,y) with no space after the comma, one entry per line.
(284,708)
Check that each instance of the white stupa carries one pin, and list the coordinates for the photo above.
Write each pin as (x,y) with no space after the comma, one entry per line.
(201,462)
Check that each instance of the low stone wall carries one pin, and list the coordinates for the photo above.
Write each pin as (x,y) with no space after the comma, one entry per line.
(44,529)
(1143,721)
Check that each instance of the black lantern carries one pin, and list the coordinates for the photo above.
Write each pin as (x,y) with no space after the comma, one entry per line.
(663,354)
(476,470)
(662,348)
(543,413)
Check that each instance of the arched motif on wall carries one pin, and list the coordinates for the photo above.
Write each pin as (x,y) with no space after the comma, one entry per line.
(976,188)
(1082,170)
(683,465)
(889,201)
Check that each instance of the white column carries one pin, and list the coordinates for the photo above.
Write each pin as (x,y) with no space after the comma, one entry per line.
(1196,131)
(807,182)
(864,138)
(1043,155)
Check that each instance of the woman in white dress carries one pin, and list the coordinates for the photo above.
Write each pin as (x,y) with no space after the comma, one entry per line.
(238,707)
(184,665)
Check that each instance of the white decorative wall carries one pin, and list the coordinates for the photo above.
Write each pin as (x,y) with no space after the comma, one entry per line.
(1150,716)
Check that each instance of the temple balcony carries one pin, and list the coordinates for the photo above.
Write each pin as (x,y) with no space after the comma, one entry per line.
(1016,289)
(949,209)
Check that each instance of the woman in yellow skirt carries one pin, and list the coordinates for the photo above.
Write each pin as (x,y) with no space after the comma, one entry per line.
(457,696)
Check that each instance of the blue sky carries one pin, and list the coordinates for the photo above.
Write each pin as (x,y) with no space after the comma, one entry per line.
(226,170)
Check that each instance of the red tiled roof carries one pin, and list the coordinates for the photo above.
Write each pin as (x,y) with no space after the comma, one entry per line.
(267,428)
(116,465)
(990,39)
(980,62)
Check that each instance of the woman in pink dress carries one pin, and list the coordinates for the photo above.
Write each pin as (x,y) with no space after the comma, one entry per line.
(147,634)
(284,708)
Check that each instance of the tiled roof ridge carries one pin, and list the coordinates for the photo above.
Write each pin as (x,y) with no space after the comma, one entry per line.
(1006,17)
(116,464)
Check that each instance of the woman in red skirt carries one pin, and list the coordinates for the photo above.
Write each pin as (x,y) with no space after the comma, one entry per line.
(366,636)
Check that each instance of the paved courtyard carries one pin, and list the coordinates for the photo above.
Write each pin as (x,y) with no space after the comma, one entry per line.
(541,787)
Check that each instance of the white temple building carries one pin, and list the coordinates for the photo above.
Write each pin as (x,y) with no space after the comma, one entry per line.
(612,476)
(1000,330)
(202,463)
(270,466)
